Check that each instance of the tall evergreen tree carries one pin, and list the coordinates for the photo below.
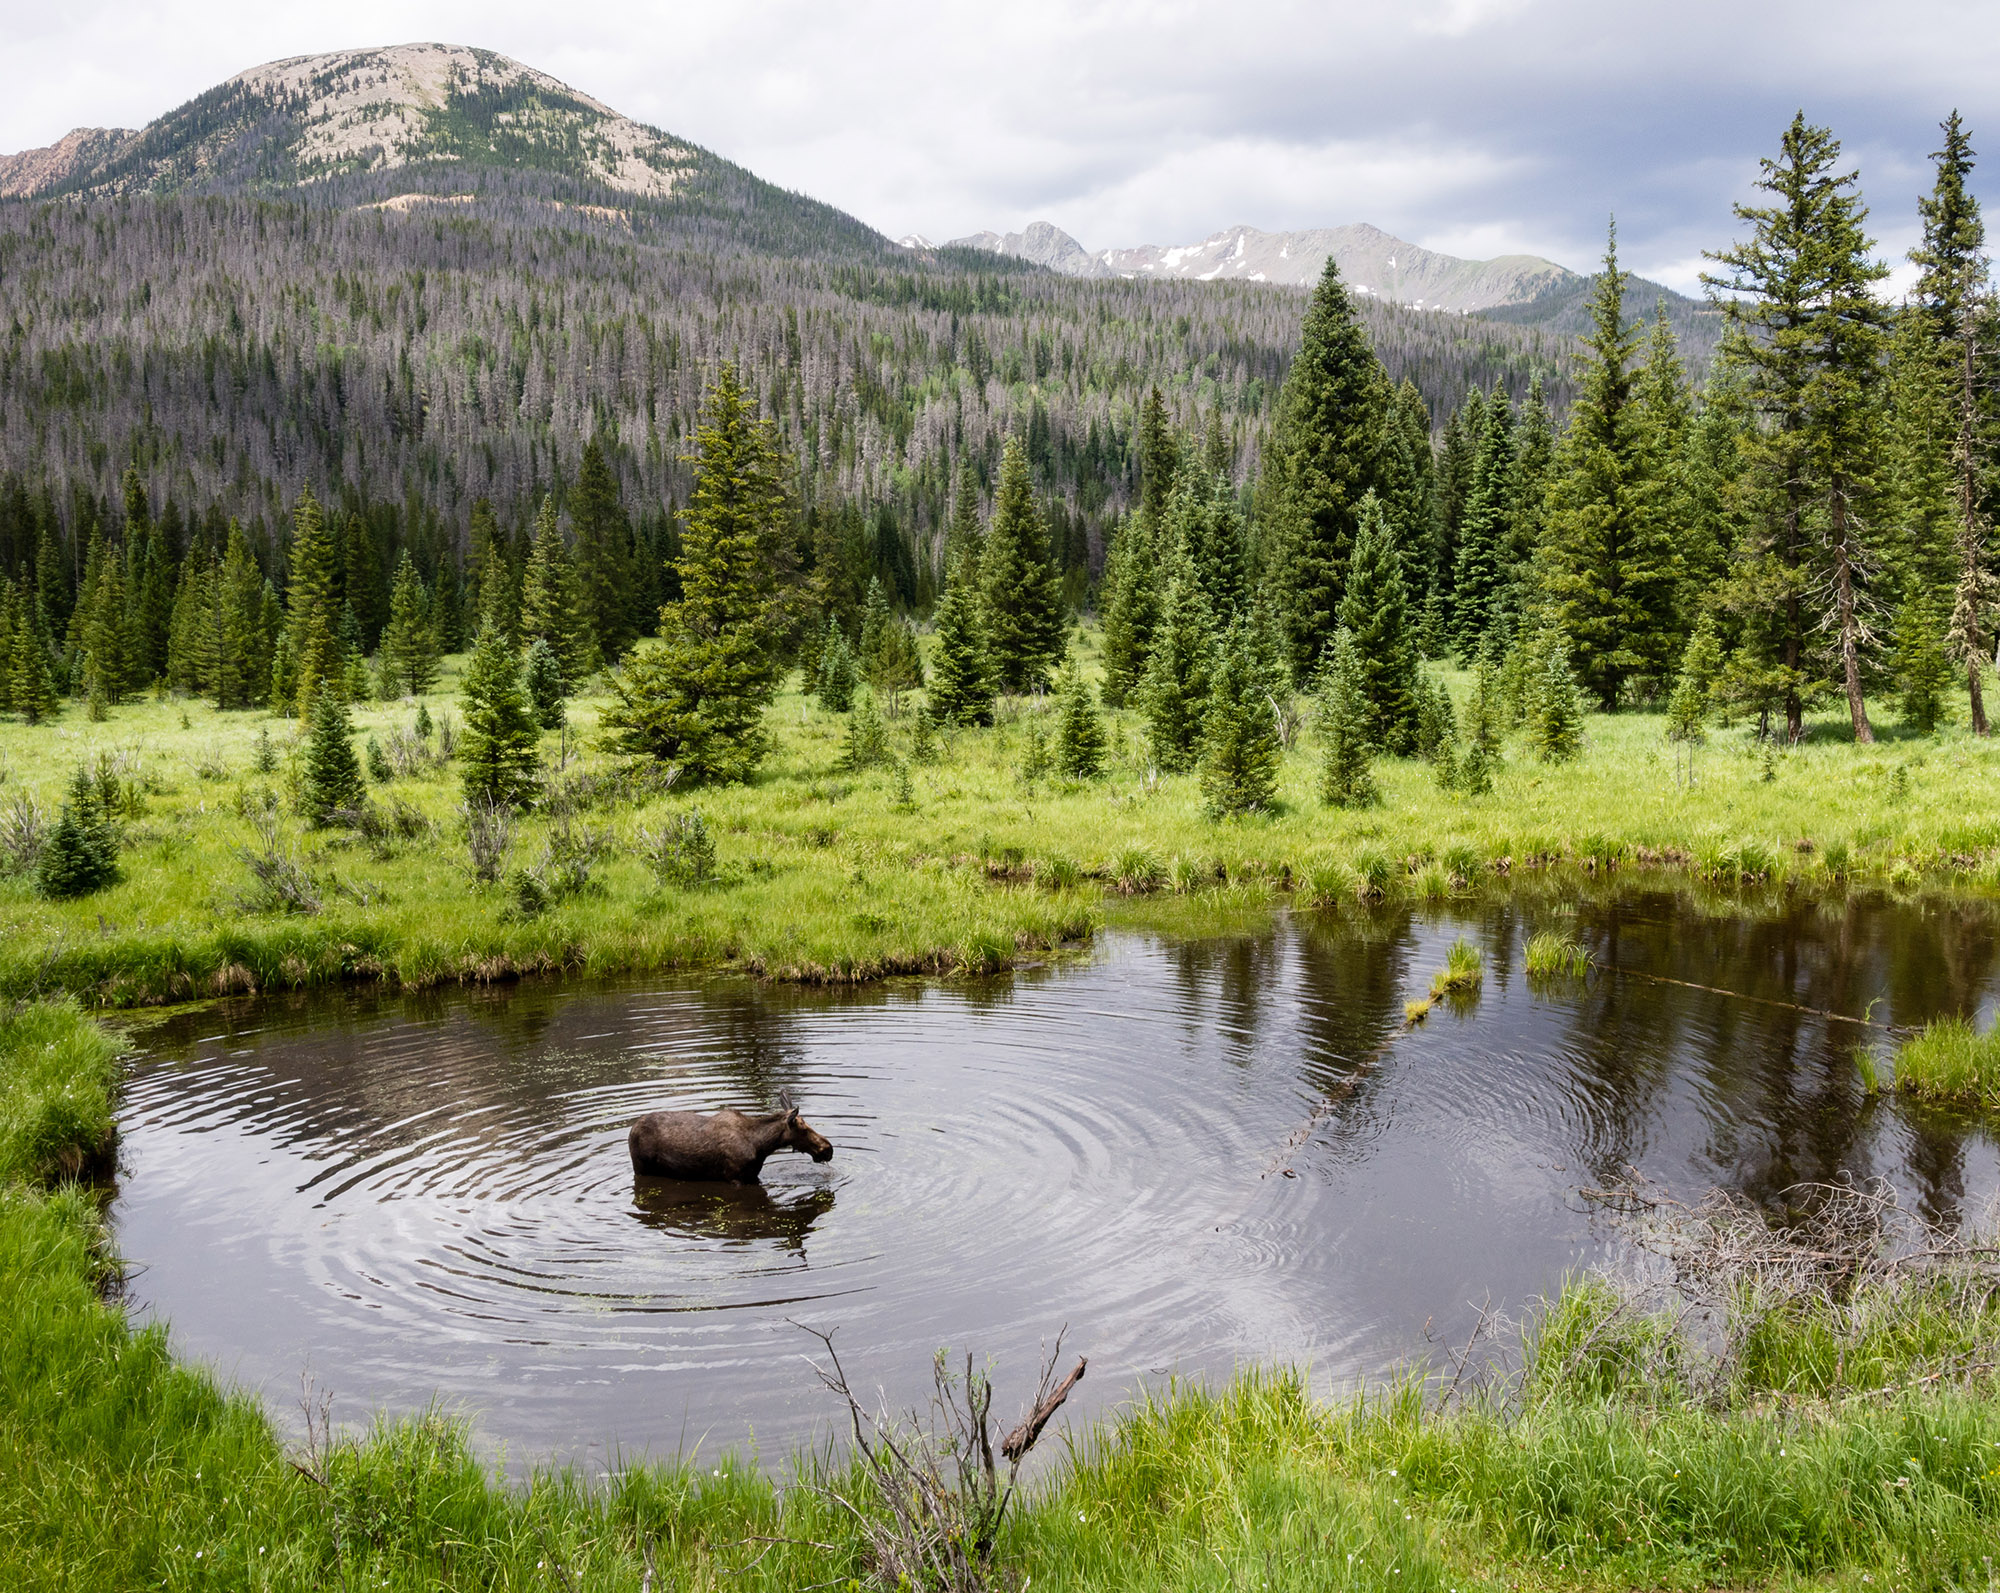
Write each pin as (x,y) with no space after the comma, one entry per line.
(313,618)
(1204,525)
(496,592)
(1159,458)
(1322,458)
(1132,608)
(604,567)
(1344,714)
(1485,533)
(698,696)
(961,678)
(32,685)
(496,752)
(1803,287)
(1175,693)
(1020,588)
(552,601)
(409,657)
(1375,612)
(1240,751)
(1952,290)
(1613,576)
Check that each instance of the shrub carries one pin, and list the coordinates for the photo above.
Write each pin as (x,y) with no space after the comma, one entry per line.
(24,828)
(378,763)
(682,853)
(81,853)
(281,884)
(489,832)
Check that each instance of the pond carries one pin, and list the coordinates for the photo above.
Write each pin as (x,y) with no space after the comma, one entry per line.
(1193,1154)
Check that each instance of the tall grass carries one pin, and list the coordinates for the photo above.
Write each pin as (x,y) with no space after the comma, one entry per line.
(1552,954)
(1463,972)
(1950,1060)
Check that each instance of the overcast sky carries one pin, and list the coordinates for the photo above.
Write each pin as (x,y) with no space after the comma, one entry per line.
(1472,126)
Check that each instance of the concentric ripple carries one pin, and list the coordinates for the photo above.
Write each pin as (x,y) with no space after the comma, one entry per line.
(1191,1155)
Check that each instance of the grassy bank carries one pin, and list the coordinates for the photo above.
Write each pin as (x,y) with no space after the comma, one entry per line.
(962,863)
(1804,1426)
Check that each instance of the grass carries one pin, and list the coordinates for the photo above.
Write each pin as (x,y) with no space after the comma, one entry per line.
(1843,1443)
(1463,972)
(1552,954)
(962,865)
(1951,1060)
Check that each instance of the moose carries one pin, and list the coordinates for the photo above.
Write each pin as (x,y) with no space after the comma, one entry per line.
(723,1147)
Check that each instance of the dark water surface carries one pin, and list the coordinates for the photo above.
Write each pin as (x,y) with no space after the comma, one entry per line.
(1196,1154)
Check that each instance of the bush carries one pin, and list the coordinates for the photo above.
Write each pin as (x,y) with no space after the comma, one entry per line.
(681,853)
(81,853)
(281,883)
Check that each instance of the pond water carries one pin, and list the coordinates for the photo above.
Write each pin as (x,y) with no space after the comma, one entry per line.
(1194,1153)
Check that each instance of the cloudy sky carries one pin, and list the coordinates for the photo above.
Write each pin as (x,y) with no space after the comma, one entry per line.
(1472,126)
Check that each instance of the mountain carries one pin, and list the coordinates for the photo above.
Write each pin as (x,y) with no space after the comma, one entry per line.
(1372,261)
(413,124)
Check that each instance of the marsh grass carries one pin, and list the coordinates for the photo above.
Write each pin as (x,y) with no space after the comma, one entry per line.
(1951,1060)
(1551,954)
(1463,972)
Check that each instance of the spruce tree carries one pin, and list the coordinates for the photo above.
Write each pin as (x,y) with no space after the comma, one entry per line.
(1131,608)
(961,678)
(1923,667)
(1019,586)
(496,591)
(1486,530)
(1175,693)
(1323,456)
(543,680)
(1951,290)
(1347,781)
(32,675)
(313,617)
(867,741)
(1555,728)
(409,644)
(837,675)
(496,750)
(332,772)
(1203,525)
(606,576)
(1240,756)
(80,855)
(1159,458)
(1437,723)
(1802,290)
(1080,738)
(698,695)
(552,604)
(1687,708)
(1375,613)
(1613,575)
(876,623)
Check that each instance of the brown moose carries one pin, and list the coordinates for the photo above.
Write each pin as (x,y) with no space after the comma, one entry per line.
(724,1147)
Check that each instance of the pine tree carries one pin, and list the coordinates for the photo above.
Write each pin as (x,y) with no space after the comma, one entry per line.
(1534,442)
(1802,289)
(496,752)
(1159,459)
(867,741)
(606,577)
(1952,291)
(361,582)
(1020,588)
(1375,613)
(961,678)
(313,618)
(409,644)
(698,695)
(1239,767)
(552,604)
(1344,714)
(1437,723)
(836,682)
(1613,576)
(964,536)
(496,589)
(543,680)
(1923,667)
(1556,726)
(1203,525)
(1131,610)
(1080,740)
(332,772)
(80,855)
(32,683)
(876,624)
(1486,531)
(1322,458)
(1701,663)
(1175,693)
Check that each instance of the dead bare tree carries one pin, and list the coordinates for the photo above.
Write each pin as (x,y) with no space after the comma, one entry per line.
(935,1496)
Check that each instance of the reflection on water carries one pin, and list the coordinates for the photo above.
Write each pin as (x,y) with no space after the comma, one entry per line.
(1192,1153)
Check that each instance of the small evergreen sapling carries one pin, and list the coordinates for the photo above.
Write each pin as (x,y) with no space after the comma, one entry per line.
(1922,662)
(1239,771)
(1347,782)
(332,781)
(961,681)
(80,855)
(836,670)
(378,763)
(498,747)
(544,681)
(867,737)
(1080,740)
(1175,693)
(1557,726)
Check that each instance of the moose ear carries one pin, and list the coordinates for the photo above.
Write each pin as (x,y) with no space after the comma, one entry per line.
(785,1100)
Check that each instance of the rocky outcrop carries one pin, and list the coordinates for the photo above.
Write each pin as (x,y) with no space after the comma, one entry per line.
(74,156)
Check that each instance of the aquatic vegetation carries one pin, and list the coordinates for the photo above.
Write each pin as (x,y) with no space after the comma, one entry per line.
(1552,954)
(1951,1060)
(1463,972)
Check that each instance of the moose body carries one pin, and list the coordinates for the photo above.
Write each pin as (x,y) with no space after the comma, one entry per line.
(721,1147)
